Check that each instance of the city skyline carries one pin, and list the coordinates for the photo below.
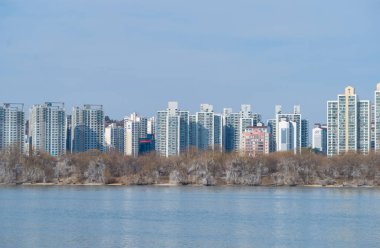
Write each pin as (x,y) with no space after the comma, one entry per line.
(264,53)
(217,109)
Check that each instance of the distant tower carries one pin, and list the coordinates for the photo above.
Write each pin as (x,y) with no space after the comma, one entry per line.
(349,124)
(88,125)
(47,128)
(377,118)
(12,126)
(301,131)
(319,138)
(172,131)
(114,138)
(287,135)
(208,129)
(135,129)
(235,123)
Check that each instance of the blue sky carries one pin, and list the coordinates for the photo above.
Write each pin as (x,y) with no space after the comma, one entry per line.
(135,55)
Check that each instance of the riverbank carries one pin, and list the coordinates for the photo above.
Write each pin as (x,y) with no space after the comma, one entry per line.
(187,185)
(206,169)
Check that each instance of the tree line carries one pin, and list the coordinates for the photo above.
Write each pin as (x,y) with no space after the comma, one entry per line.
(193,168)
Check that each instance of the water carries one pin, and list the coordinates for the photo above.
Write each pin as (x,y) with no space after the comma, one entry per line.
(188,217)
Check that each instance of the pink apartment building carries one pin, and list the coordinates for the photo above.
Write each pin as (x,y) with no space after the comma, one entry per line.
(255,141)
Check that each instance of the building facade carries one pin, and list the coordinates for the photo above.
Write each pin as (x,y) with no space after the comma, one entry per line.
(193,131)
(376,116)
(114,138)
(349,124)
(301,131)
(255,141)
(135,128)
(88,126)
(287,135)
(172,131)
(319,138)
(151,126)
(12,126)
(235,123)
(208,129)
(47,128)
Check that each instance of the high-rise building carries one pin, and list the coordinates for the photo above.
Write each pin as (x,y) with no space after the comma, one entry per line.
(364,127)
(12,126)
(287,135)
(151,126)
(47,128)
(218,132)
(208,129)
(319,138)
(68,132)
(172,131)
(226,132)
(114,138)
(301,131)
(88,125)
(135,128)
(349,124)
(193,131)
(271,124)
(373,127)
(255,140)
(305,133)
(377,118)
(235,123)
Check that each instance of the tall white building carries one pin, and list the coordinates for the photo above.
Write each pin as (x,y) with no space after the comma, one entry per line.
(287,135)
(319,138)
(135,128)
(172,131)
(377,118)
(88,126)
(235,123)
(47,128)
(12,126)
(208,129)
(301,131)
(114,138)
(349,124)
(151,126)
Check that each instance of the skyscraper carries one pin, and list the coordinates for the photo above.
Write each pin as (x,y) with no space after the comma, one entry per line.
(301,131)
(349,125)
(193,131)
(319,138)
(377,118)
(47,128)
(235,123)
(135,128)
(12,126)
(151,126)
(172,131)
(68,132)
(114,138)
(272,131)
(208,129)
(88,125)
(287,135)
(305,133)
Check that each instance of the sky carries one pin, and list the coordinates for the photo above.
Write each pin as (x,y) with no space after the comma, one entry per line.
(136,55)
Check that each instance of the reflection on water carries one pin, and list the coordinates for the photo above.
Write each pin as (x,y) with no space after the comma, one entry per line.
(188,217)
